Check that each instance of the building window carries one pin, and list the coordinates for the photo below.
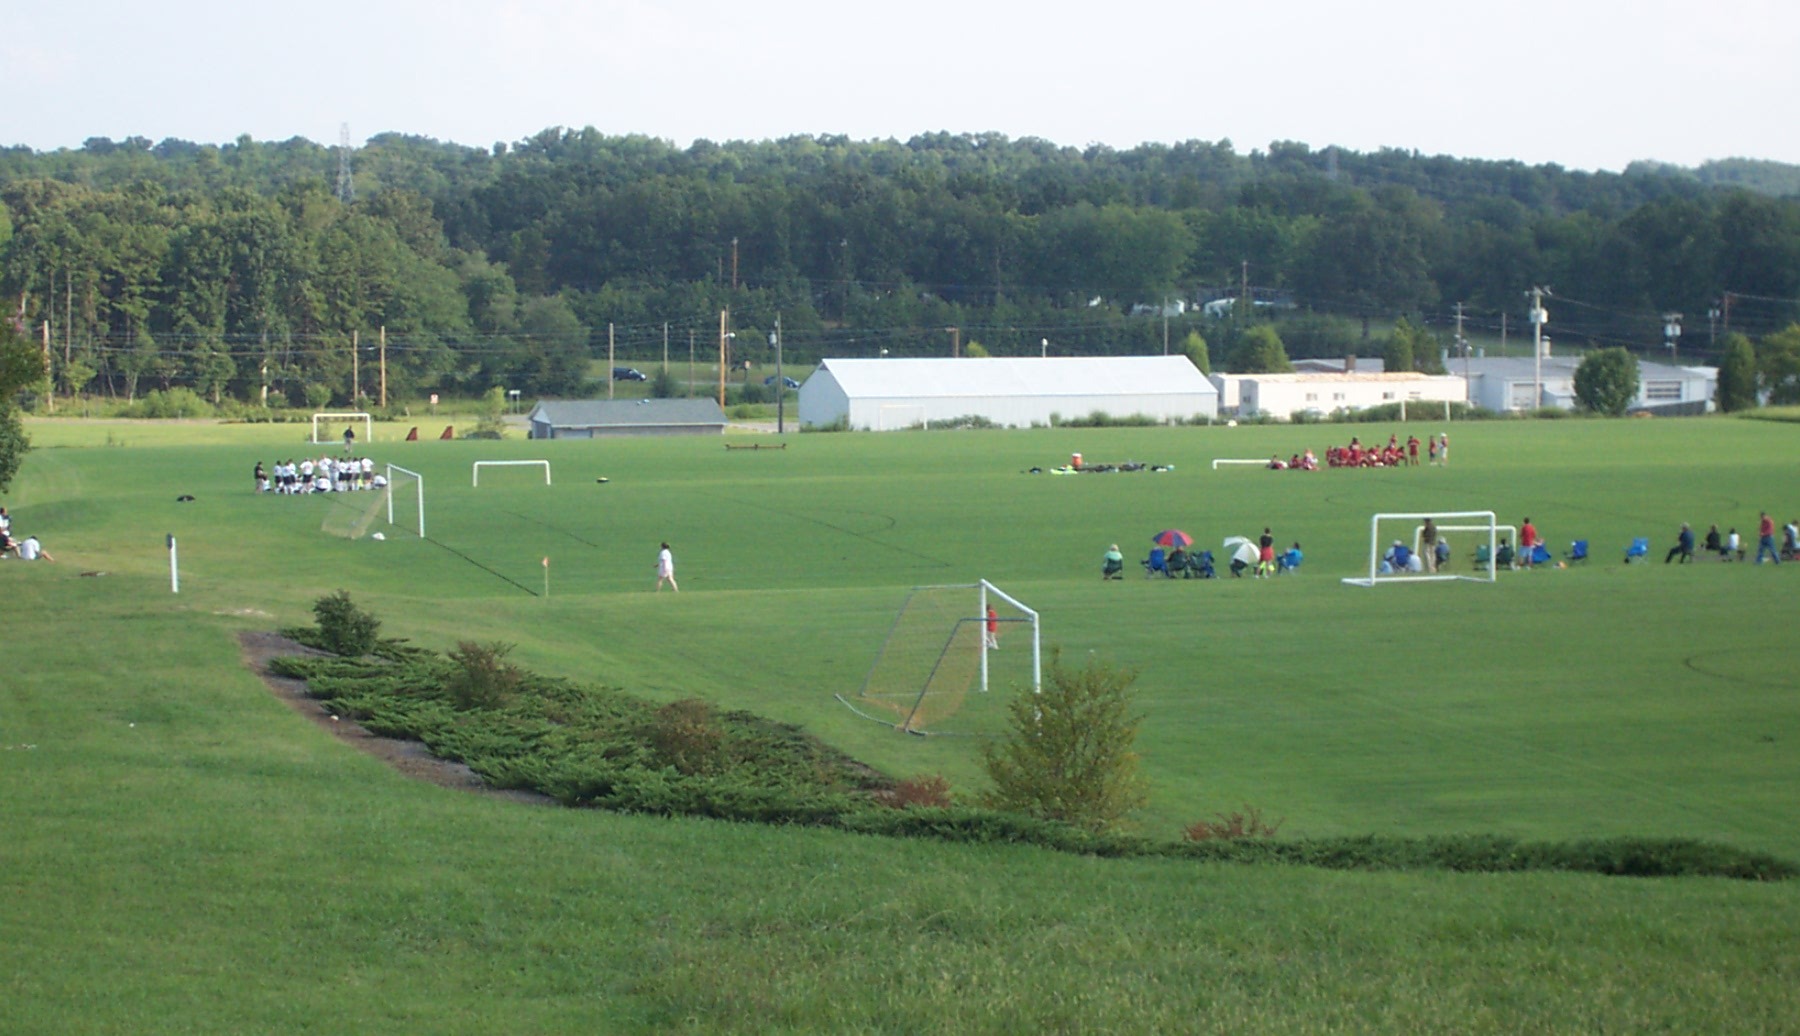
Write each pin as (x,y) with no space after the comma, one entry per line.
(1337,397)
(1312,397)
(1387,395)
(1414,395)
(1662,391)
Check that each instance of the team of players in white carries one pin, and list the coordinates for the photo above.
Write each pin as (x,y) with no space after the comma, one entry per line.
(324,475)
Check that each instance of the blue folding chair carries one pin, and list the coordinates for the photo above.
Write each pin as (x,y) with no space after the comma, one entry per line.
(1200,565)
(1578,551)
(1157,563)
(1639,549)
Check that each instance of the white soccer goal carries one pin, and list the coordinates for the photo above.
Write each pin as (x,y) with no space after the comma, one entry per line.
(400,483)
(511,464)
(939,647)
(1481,522)
(368,423)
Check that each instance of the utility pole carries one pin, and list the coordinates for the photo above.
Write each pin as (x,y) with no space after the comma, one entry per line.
(384,366)
(1463,344)
(1538,319)
(780,381)
(355,368)
(610,380)
(734,264)
(665,348)
(955,341)
(1165,316)
(1727,313)
(1712,329)
(1672,333)
(724,314)
(1244,289)
(690,381)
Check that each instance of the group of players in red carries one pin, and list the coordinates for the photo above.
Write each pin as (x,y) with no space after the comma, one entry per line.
(1394,455)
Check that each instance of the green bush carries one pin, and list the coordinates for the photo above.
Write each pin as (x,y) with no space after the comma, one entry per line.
(1069,754)
(482,677)
(345,629)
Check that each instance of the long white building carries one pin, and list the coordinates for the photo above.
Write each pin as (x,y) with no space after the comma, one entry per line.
(1320,393)
(889,394)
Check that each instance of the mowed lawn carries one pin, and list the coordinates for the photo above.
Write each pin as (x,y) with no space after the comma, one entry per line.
(183,853)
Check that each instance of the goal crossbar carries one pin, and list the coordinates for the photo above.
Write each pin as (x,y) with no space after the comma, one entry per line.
(1375,576)
(368,423)
(510,464)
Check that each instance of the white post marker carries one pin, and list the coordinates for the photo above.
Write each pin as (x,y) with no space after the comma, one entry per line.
(174,569)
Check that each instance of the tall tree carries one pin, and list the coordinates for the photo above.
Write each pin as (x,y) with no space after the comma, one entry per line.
(1737,374)
(21,366)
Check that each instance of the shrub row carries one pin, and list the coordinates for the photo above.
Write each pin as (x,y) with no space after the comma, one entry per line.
(601,748)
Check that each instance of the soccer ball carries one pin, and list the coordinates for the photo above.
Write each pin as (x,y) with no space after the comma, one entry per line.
(378,536)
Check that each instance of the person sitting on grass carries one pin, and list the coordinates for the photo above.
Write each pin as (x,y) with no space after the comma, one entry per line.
(1113,565)
(1734,546)
(30,550)
(1713,544)
(1684,546)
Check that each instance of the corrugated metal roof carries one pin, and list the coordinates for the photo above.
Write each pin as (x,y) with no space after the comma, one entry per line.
(1341,377)
(620,413)
(1013,376)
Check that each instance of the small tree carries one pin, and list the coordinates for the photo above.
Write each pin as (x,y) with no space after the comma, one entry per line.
(664,385)
(344,628)
(1607,381)
(1194,348)
(1778,364)
(1069,755)
(1737,374)
(974,349)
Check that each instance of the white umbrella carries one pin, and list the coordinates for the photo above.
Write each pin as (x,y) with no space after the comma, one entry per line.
(1246,552)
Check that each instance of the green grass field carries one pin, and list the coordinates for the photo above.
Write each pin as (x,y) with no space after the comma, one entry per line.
(183,853)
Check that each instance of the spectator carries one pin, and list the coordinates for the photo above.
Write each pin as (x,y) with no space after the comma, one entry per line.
(1734,546)
(1113,565)
(1765,539)
(30,550)
(1714,545)
(1790,539)
(1428,540)
(1528,543)
(1684,545)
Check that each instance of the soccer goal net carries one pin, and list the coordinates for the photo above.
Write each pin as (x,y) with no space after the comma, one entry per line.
(1390,531)
(510,464)
(323,423)
(944,642)
(405,497)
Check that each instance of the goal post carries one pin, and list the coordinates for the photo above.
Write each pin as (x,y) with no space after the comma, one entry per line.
(476,471)
(1480,522)
(942,645)
(399,479)
(368,423)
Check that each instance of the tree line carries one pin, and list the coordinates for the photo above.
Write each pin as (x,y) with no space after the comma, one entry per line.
(252,269)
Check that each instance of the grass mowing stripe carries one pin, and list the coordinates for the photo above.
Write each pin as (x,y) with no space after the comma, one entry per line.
(496,574)
(863,536)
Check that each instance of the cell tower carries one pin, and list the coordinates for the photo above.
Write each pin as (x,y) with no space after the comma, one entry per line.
(346,188)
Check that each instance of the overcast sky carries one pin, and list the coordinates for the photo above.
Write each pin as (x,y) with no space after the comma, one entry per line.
(1587,84)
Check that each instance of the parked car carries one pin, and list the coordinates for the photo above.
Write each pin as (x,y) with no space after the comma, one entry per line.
(628,374)
(785,380)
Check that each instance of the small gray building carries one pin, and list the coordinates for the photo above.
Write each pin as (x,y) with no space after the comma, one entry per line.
(1502,383)
(604,418)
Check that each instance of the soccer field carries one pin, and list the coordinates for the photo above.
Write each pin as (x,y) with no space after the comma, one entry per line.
(185,854)
(1600,699)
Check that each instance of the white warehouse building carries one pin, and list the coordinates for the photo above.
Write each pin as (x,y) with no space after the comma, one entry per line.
(1282,396)
(887,394)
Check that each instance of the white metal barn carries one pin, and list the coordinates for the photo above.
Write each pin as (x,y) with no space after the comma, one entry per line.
(886,394)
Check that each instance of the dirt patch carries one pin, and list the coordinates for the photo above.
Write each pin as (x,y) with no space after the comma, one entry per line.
(410,758)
